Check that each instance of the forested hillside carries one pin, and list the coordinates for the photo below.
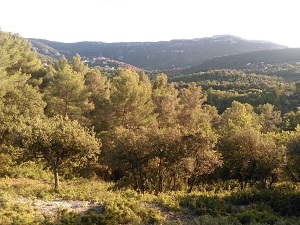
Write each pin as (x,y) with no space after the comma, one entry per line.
(219,147)
(279,62)
(174,54)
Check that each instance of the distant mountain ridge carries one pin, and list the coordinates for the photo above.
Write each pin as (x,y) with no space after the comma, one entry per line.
(249,60)
(162,55)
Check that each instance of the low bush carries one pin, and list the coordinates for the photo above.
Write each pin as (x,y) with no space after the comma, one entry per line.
(285,203)
(130,211)
(211,220)
(19,214)
(169,201)
(91,218)
(31,170)
(204,205)
(250,216)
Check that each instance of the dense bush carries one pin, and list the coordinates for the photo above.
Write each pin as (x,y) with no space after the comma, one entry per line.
(91,218)
(211,220)
(128,209)
(285,203)
(17,213)
(253,215)
(203,205)
(32,170)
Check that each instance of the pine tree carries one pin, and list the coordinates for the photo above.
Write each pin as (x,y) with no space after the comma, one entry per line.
(67,94)
(130,100)
(166,102)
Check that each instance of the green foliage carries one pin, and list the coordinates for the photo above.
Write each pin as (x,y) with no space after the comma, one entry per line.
(31,170)
(294,155)
(60,142)
(6,163)
(269,118)
(99,87)
(250,157)
(19,214)
(290,120)
(279,62)
(169,200)
(190,101)
(225,86)
(285,203)
(262,217)
(158,159)
(16,55)
(238,116)
(226,79)
(204,205)
(80,189)
(67,94)
(130,100)
(212,220)
(128,211)
(19,101)
(90,218)
(166,102)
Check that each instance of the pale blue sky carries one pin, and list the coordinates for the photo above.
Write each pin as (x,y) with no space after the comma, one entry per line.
(152,20)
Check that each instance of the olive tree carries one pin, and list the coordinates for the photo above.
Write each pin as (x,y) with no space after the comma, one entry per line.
(60,142)
(250,157)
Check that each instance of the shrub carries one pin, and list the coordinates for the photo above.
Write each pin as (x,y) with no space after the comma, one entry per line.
(210,220)
(130,211)
(91,218)
(253,215)
(203,205)
(169,201)
(31,170)
(285,203)
(19,214)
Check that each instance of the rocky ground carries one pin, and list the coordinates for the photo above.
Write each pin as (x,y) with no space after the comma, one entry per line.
(53,206)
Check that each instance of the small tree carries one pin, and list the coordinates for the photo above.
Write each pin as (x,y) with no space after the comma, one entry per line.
(201,159)
(60,142)
(251,157)
(128,151)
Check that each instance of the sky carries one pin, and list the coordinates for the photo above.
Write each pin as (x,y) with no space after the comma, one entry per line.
(152,20)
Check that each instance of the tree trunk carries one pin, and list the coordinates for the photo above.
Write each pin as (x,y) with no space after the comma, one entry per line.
(136,183)
(142,181)
(193,179)
(56,178)
(160,177)
(273,179)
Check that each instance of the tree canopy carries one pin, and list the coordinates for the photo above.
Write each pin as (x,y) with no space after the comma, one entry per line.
(60,142)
